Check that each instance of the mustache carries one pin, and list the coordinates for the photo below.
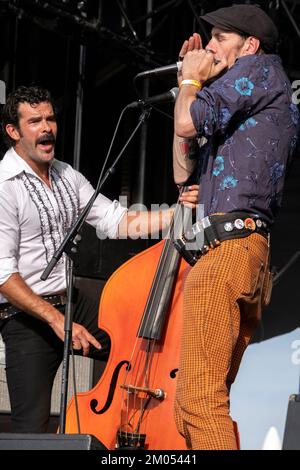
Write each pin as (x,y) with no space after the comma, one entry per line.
(49,138)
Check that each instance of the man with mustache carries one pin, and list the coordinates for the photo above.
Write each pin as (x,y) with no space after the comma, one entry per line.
(40,198)
(236,101)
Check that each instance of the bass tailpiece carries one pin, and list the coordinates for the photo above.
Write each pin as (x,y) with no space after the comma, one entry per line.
(130,441)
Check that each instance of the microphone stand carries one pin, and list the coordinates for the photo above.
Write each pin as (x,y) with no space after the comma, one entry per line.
(69,247)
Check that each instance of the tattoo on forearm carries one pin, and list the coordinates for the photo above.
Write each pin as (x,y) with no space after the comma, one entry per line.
(184,147)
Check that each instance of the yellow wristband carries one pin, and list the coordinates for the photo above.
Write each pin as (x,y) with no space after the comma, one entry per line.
(191,82)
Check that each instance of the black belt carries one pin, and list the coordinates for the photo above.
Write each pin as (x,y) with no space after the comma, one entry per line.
(8,310)
(233,225)
(210,231)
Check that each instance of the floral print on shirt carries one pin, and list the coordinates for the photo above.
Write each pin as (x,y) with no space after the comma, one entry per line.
(252,127)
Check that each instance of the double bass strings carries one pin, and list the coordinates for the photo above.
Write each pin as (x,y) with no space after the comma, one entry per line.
(141,371)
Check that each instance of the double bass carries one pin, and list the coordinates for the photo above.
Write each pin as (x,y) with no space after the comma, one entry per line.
(131,407)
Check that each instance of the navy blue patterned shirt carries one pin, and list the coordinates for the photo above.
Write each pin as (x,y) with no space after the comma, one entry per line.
(251,128)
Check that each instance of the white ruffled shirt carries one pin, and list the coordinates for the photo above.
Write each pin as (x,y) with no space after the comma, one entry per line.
(30,232)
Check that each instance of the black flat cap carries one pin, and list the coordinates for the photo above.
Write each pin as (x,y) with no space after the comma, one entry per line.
(248,20)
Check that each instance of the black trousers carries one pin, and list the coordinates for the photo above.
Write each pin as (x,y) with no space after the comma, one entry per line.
(33,356)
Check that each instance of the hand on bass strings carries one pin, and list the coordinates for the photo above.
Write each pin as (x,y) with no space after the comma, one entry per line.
(190,198)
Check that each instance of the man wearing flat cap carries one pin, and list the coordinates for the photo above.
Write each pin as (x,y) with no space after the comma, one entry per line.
(235,102)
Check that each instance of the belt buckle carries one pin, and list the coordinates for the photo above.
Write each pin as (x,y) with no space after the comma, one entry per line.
(210,232)
(199,232)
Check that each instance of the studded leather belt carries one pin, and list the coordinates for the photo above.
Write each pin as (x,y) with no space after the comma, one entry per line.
(8,310)
(210,231)
(232,225)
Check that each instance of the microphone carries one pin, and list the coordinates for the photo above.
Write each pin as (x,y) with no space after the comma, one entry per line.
(170,95)
(173,68)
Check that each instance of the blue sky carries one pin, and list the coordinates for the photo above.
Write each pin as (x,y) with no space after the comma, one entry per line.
(266,379)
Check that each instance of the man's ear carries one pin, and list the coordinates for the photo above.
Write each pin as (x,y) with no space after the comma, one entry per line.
(13,132)
(251,45)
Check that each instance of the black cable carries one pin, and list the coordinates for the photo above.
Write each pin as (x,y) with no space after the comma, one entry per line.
(197,18)
(127,21)
(111,144)
(154,12)
(291,261)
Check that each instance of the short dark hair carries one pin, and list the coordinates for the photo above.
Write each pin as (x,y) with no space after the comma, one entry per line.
(23,94)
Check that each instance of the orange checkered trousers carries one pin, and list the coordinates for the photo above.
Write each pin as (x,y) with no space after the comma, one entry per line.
(223,299)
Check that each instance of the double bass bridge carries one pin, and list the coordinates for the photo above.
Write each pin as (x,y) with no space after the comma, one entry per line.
(157,393)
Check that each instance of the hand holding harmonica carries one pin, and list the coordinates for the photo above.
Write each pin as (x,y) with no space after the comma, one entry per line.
(199,64)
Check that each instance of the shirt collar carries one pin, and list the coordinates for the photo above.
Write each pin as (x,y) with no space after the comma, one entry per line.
(12,165)
(261,58)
